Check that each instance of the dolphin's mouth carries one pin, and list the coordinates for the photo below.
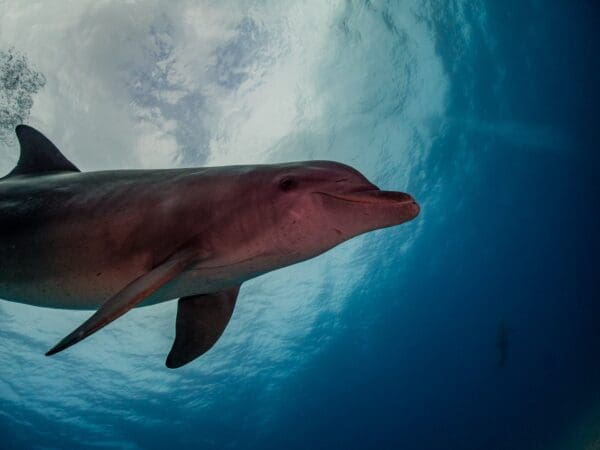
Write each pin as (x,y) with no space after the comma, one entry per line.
(374,197)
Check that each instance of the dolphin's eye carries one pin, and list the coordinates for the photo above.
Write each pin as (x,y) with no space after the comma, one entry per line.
(287,184)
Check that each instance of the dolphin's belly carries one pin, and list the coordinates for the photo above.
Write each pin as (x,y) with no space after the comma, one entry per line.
(75,279)
(81,264)
(56,283)
(89,289)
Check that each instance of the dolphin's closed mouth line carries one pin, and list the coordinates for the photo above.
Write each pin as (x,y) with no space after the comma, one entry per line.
(371,201)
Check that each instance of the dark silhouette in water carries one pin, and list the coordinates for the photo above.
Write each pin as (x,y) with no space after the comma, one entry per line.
(502,343)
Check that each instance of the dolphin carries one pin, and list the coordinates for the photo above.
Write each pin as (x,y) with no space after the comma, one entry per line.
(114,240)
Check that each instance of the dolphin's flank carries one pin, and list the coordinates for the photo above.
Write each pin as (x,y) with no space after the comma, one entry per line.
(114,240)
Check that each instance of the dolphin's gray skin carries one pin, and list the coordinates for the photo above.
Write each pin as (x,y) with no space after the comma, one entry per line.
(114,240)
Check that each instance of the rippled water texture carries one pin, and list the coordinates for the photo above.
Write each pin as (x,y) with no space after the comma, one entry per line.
(475,326)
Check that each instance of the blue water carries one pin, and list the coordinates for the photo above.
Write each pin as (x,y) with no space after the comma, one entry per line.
(477,326)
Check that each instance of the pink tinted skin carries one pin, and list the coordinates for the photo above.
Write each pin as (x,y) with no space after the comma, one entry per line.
(90,234)
(298,211)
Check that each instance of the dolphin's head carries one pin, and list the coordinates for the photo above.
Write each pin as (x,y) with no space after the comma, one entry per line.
(313,206)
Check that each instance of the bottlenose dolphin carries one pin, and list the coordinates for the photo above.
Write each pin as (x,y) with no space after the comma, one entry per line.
(114,240)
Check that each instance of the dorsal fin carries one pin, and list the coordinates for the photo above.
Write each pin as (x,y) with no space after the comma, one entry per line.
(38,154)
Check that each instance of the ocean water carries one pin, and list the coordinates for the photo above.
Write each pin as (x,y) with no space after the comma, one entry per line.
(476,326)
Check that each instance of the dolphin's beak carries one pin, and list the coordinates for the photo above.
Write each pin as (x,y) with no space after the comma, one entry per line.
(377,198)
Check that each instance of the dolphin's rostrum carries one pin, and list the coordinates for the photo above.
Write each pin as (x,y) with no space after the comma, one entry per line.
(114,240)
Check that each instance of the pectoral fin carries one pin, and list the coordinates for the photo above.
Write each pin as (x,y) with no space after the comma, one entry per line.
(201,320)
(130,296)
